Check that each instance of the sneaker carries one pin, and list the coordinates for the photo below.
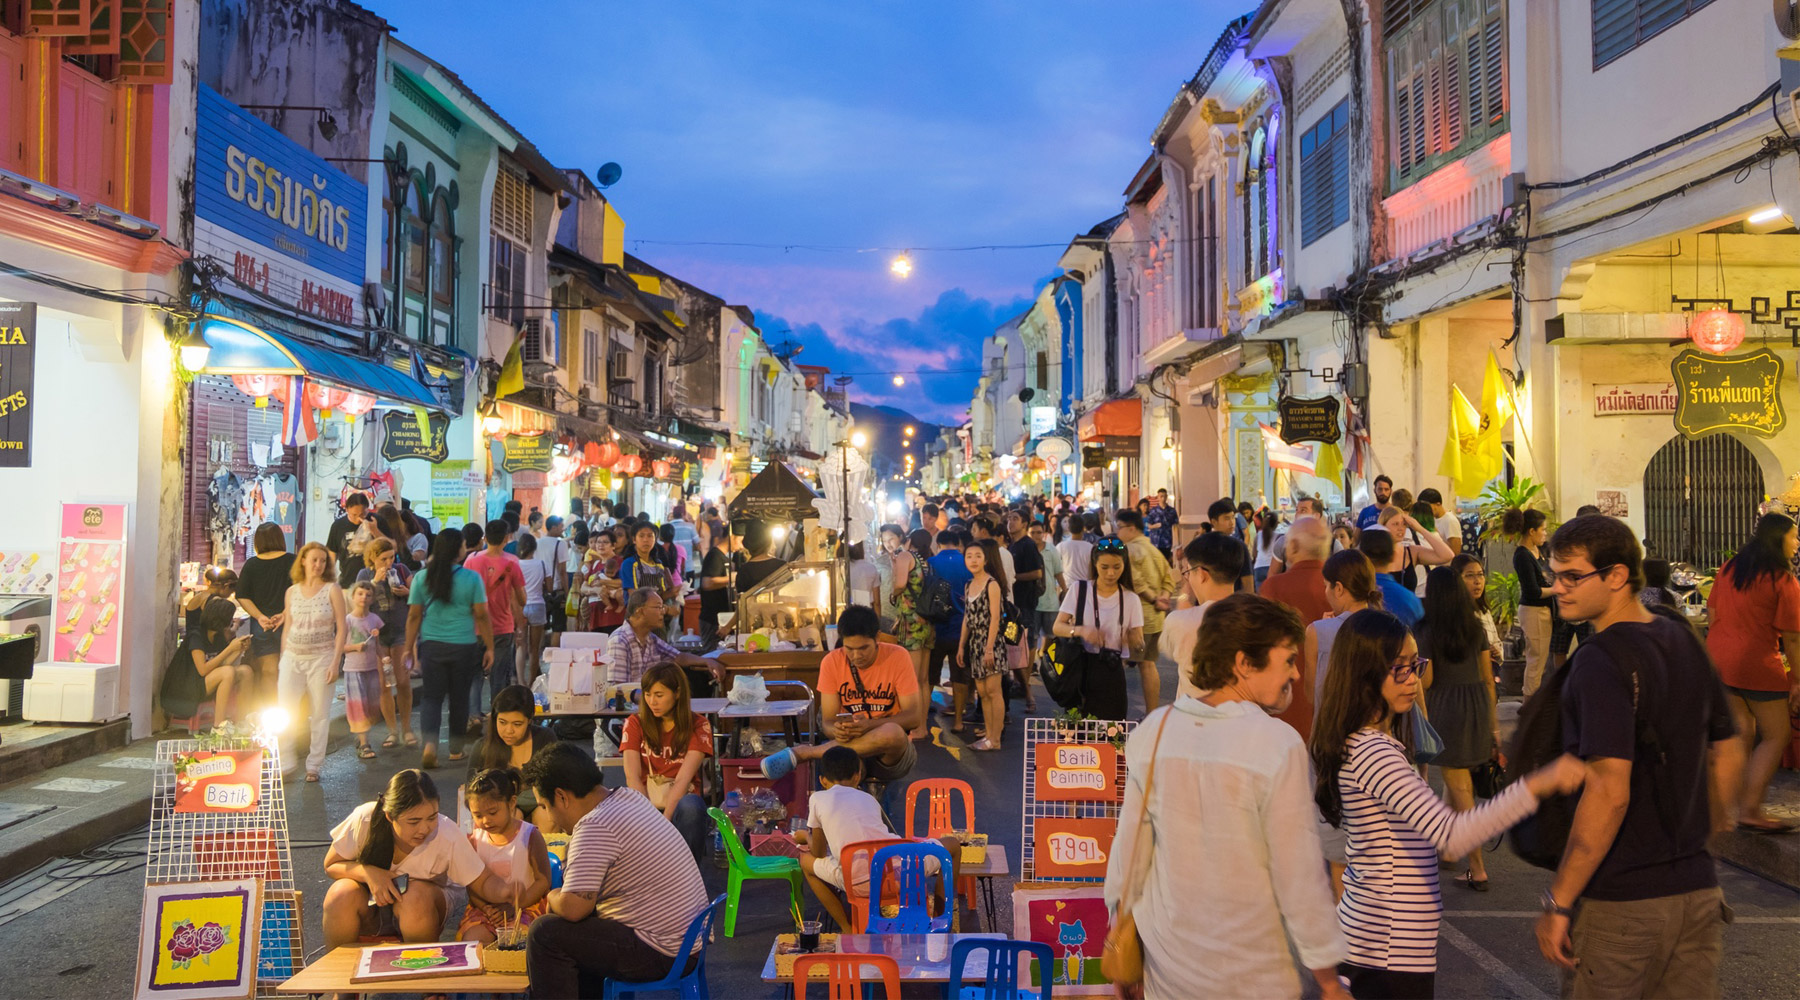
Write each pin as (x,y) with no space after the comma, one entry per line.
(777,766)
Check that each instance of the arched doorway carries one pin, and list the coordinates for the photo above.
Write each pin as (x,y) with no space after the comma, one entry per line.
(1700,499)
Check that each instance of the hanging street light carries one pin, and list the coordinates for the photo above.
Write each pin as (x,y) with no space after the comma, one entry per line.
(901,266)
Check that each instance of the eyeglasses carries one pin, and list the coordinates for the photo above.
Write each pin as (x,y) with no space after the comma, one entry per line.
(1109,545)
(1570,579)
(1408,669)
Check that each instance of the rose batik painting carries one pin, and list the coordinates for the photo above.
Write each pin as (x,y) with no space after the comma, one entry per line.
(199,940)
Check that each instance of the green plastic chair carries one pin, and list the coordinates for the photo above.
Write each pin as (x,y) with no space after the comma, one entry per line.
(745,867)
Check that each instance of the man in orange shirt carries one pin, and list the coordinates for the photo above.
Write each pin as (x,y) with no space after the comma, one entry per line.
(869,698)
(1302,587)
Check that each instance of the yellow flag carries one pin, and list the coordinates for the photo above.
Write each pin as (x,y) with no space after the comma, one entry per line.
(1330,463)
(1461,462)
(1496,410)
(512,370)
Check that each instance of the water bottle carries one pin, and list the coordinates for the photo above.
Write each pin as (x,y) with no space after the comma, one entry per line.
(718,849)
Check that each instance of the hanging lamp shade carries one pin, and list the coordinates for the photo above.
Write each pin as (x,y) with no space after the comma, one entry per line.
(1716,331)
(256,386)
(605,454)
(660,468)
(356,404)
(628,465)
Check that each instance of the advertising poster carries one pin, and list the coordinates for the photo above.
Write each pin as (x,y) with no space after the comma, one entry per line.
(1073,921)
(1077,772)
(18,354)
(218,781)
(90,566)
(450,493)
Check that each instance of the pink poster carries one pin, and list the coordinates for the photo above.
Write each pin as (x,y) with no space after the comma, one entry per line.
(89,574)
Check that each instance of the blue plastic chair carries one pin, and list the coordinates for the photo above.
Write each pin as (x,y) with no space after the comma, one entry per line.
(692,984)
(1007,965)
(914,885)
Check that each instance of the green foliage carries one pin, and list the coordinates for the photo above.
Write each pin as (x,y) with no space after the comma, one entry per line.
(1503,594)
(1499,498)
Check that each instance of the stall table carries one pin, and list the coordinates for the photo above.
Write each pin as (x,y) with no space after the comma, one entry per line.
(331,974)
(990,868)
(923,958)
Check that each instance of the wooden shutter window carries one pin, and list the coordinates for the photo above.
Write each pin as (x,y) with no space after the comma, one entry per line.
(102,35)
(56,18)
(145,27)
(1622,25)
(512,205)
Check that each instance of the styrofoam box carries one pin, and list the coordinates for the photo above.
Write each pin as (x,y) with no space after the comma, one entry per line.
(72,692)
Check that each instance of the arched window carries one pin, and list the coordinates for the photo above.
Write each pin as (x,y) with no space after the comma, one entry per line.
(1253,204)
(1268,257)
(443,254)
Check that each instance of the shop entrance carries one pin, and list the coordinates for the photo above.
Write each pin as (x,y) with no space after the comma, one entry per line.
(1700,499)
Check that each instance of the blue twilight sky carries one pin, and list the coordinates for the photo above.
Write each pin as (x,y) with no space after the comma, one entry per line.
(853,124)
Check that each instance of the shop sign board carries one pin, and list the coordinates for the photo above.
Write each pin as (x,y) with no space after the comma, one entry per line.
(1119,446)
(89,573)
(1309,419)
(218,781)
(18,391)
(1054,450)
(1741,393)
(291,225)
(449,493)
(526,453)
(1624,399)
(401,437)
(1043,420)
(1068,847)
(1077,772)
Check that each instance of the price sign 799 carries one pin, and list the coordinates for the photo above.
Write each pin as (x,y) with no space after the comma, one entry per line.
(1074,849)
(1069,847)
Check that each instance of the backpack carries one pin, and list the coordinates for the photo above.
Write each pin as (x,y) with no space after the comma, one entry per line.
(936,602)
(1539,839)
(1063,667)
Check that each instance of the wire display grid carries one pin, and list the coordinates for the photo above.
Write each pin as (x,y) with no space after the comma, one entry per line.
(1055,730)
(203,847)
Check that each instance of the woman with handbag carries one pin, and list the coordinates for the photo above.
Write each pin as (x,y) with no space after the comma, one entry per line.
(1216,862)
(1394,824)
(1461,696)
(981,650)
(1111,628)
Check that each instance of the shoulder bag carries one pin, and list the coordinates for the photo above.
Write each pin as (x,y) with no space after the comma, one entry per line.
(1122,959)
(1065,658)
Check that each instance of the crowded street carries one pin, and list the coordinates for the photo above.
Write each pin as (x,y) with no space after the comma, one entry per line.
(947,500)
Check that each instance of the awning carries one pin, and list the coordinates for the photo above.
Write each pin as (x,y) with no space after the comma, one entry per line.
(1114,418)
(654,443)
(241,349)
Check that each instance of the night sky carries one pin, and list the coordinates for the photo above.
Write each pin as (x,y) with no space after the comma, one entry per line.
(863,126)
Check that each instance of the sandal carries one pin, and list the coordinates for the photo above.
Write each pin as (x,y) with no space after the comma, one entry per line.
(984,744)
(411,739)
(458,757)
(365,751)
(312,777)
(1469,880)
(390,743)
(1766,826)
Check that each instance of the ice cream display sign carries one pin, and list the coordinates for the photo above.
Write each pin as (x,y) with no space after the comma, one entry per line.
(1077,772)
(90,570)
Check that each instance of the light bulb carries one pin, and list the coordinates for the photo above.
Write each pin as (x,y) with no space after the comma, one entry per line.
(901,266)
(899,380)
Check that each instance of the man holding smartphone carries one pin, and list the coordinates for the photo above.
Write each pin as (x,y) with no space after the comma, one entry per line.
(869,691)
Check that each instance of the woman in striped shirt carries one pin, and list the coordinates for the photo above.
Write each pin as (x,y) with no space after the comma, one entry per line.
(1395,825)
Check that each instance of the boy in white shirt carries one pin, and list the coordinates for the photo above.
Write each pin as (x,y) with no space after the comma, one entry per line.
(838,816)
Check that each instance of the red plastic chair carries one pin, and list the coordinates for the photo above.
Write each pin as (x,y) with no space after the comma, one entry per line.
(940,796)
(845,981)
(859,902)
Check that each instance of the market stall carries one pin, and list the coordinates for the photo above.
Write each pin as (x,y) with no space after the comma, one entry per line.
(783,626)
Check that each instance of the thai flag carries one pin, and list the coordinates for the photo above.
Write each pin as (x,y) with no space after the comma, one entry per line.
(297,427)
(1281,455)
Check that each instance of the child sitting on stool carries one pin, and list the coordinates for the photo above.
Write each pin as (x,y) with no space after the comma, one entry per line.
(843,814)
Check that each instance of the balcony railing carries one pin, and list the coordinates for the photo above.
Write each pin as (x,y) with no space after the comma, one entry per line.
(1449,200)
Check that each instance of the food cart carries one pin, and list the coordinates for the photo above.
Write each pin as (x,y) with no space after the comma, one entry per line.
(783,626)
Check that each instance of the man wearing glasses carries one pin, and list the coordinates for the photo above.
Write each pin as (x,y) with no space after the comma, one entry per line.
(1635,908)
(1213,563)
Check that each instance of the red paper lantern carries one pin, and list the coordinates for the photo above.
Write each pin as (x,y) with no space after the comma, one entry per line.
(324,397)
(1716,331)
(628,465)
(257,386)
(604,454)
(356,404)
(660,468)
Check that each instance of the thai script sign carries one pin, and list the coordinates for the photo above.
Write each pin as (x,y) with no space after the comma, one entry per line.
(290,225)
(527,453)
(1309,419)
(18,357)
(401,436)
(1720,394)
(1633,398)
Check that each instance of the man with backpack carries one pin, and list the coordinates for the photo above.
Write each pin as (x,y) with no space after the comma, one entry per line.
(1635,908)
(947,565)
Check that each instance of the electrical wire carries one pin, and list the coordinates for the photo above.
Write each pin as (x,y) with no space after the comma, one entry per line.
(1766,95)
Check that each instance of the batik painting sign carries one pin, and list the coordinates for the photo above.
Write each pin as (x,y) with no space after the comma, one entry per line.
(1073,921)
(198,940)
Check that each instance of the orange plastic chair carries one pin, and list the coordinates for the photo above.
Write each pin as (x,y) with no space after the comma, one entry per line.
(845,981)
(940,797)
(859,902)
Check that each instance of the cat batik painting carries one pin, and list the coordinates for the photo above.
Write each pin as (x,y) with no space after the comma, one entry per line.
(1072,920)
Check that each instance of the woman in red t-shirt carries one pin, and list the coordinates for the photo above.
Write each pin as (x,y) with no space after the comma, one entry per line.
(664,745)
(1755,612)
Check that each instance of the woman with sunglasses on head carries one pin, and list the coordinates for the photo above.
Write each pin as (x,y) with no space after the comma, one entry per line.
(1112,620)
(1394,824)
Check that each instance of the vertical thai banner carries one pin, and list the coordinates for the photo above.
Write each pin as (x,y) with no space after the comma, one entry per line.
(90,575)
(18,356)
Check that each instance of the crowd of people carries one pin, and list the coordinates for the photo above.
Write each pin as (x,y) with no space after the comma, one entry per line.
(1321,667)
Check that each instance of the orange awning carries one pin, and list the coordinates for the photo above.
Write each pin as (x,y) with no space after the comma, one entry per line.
(1114,418)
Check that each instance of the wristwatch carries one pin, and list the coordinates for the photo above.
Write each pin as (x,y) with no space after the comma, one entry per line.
(1550,905)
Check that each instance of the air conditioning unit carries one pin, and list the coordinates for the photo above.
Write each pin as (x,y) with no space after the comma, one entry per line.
(531,343)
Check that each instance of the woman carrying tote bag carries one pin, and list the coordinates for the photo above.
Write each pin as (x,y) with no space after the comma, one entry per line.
(1255,872)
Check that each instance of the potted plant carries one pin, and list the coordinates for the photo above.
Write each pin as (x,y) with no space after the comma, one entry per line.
(1503,603)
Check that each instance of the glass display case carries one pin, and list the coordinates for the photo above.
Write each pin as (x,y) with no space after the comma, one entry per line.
(793,607)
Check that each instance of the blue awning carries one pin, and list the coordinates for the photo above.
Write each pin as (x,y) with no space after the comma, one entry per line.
(241,349)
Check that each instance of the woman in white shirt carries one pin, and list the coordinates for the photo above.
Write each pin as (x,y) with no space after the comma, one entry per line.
(392,858)
(1112,623)
(537,574)
(1396,827)
(1230,865)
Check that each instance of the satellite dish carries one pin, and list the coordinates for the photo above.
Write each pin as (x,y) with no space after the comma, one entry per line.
(1026,394)
(609,174)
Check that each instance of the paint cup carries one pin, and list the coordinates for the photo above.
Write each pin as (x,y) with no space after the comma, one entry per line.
(809,935)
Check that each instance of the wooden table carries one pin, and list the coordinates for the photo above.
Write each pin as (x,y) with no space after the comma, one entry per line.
(923,958)
(331,974)
(991,867)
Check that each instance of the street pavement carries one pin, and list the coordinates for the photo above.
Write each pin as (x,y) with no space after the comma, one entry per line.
(73,933)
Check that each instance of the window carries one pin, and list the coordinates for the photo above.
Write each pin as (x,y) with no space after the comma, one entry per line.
(1623,25)
(1043,370)
(618,374)
(443,256)
(415,254)
(506,287)
(591,354)
(1325,174)
(1260,207)
(1208,244)
(1446,82)
(653,383)
(387,241)
(512,204)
